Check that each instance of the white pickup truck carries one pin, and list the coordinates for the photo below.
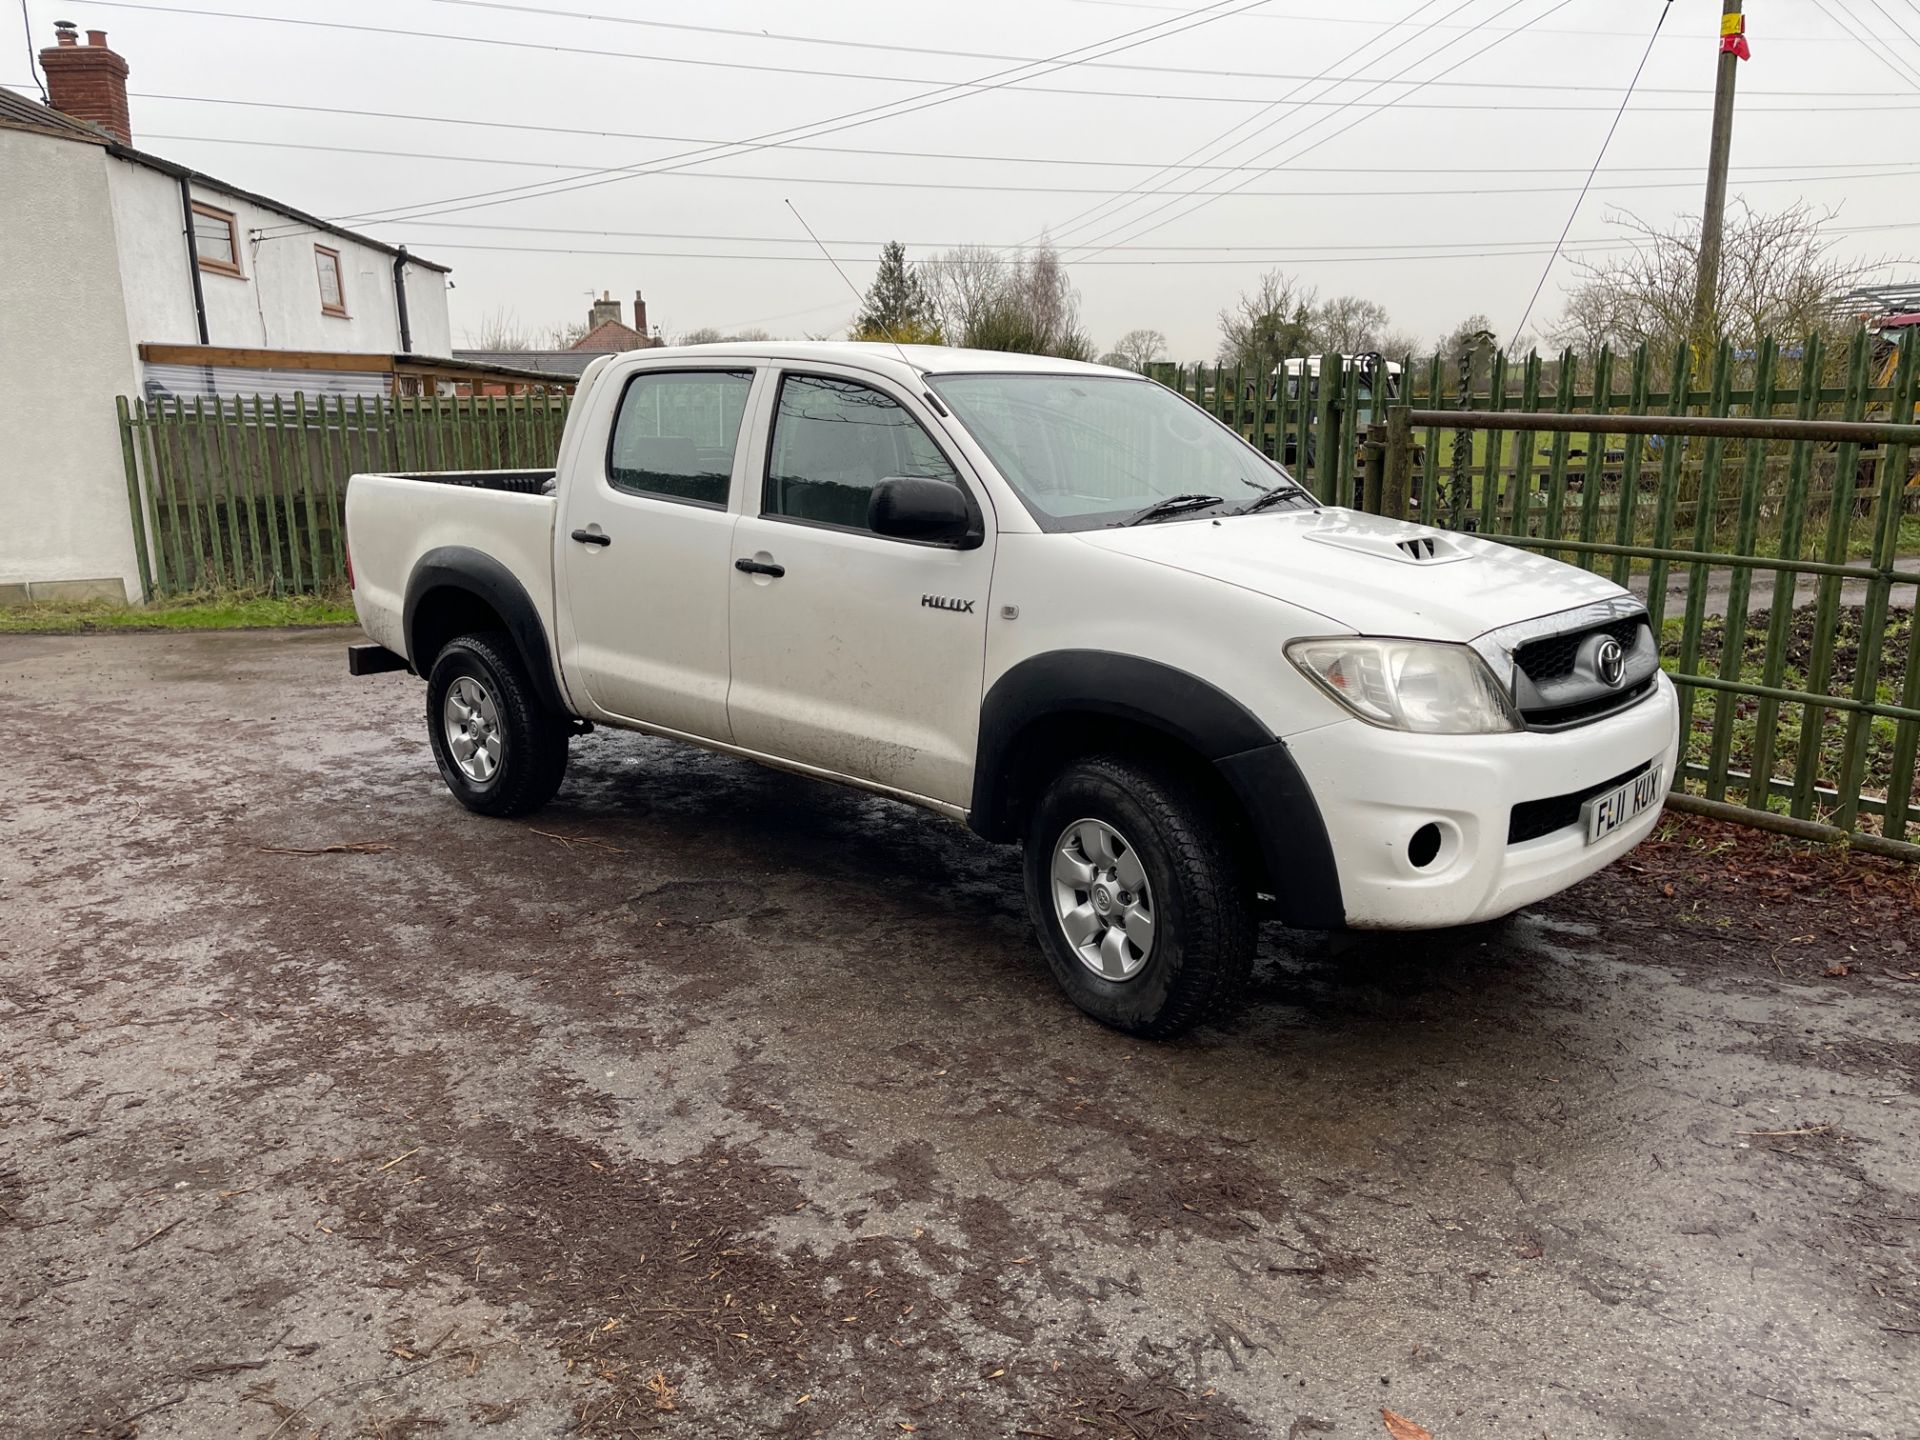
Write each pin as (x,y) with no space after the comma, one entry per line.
(1053,601)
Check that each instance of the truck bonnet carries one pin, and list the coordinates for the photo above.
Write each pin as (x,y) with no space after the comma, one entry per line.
(1373,575)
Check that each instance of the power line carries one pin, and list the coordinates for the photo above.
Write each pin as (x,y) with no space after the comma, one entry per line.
(874,153)
(1327,256)
(1286,16)
(1885,56)
(1083,218)
(1263,260)
(33,60)
(653,57)
(1297,133)
(1370,192)
(1208,72)
(1894,21)
(1547,269)
(833,124)
(814,72)
(1202,204)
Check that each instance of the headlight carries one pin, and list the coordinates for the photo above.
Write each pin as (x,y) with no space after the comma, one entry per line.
(1424,686)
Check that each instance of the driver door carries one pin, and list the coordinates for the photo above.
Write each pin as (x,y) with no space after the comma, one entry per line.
(864,654)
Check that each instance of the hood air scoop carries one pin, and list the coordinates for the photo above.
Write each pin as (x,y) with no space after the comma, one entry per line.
(1410,546)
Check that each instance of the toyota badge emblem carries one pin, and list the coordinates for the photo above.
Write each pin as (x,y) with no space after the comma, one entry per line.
(1611,661)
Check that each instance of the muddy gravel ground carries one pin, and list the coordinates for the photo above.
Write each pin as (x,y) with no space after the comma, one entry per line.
(717,1102)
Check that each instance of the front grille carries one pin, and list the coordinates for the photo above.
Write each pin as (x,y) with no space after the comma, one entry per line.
(1533,818)
(1552,657)
(1560,717)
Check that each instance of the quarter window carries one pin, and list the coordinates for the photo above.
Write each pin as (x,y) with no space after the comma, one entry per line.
(675,435)
(216,240)
(333,295)
(833,441)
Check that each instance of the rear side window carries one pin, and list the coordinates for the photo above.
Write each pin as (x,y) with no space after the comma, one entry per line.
(675,434)
(833,441)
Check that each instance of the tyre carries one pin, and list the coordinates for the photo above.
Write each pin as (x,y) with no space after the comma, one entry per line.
(500,750)
(1144,909)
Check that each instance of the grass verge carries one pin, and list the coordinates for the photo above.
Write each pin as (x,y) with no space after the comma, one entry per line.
(203,612)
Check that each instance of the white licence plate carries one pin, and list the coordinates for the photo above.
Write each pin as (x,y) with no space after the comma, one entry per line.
(1604,814)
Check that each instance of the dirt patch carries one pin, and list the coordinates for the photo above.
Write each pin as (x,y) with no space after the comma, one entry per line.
(670,1125)
(1733,898)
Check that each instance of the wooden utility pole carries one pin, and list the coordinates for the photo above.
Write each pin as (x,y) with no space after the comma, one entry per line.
(1733,49)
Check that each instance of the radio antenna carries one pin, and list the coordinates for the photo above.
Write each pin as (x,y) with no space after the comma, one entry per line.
(855,289)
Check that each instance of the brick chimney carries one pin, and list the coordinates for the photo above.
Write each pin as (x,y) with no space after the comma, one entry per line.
(88,82)
(604,309)
(640,313)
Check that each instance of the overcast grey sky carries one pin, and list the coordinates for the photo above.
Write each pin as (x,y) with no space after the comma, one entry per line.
(1394,191)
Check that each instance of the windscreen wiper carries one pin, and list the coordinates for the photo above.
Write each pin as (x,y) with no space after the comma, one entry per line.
(1285,490)
(1172,505)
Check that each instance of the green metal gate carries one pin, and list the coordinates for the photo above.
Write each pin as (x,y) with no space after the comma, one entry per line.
(1800,712)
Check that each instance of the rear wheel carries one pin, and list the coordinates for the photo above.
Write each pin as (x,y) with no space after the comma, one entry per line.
(499,749)
(1144,909)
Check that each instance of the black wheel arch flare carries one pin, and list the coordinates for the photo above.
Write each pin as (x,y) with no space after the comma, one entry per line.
(474,572)
(1254,763)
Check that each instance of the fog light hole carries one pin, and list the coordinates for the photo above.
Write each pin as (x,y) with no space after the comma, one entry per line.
(1424,846)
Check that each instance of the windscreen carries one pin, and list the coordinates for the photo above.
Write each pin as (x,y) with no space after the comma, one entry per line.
(1090,450)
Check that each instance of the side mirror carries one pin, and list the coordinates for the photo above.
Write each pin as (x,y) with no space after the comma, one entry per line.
(913,507)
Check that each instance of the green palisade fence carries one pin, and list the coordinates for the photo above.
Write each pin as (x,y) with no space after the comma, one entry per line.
(250,493)
(1780,563)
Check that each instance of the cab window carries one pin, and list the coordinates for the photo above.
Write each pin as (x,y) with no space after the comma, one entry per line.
(675,434)
(833,441)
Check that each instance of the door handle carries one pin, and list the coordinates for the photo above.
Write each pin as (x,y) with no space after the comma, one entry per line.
(760,567)
(592,537)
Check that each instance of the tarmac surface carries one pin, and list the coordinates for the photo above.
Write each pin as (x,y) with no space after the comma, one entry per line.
(718,1102)
(1760,588)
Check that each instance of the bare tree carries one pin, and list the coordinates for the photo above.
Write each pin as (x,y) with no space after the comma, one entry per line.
(1588,322)
(1268,323)
(1138,349)
(1778,276)
(707,335)
(964,284)
(1400,344)
(500,329)
(1351,325)
(990,302)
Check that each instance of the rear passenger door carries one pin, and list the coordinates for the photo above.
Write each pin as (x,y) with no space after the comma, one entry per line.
(863,655)
(646,550)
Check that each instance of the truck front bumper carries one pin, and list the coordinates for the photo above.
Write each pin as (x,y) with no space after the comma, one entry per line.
(1377,788)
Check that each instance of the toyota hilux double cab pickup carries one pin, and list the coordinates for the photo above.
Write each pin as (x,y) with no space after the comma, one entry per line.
(1053,601)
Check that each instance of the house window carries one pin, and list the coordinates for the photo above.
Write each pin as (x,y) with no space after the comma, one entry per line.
(333,295)
(216,239)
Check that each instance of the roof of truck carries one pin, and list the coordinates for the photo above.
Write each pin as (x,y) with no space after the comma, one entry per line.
(923,359)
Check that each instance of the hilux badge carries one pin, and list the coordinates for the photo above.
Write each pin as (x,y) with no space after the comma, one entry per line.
(942,602)
(1611,661)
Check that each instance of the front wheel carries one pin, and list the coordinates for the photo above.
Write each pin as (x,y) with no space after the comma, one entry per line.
(499,749)
(1143,908)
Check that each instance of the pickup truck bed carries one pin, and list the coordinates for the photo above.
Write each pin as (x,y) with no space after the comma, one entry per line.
(504,520)
(515,482)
